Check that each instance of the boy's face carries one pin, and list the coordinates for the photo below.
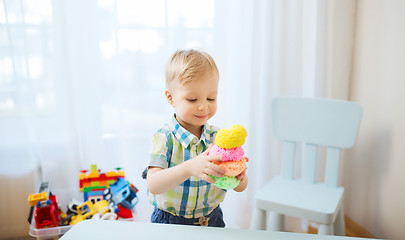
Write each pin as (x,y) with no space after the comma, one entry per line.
(194,102)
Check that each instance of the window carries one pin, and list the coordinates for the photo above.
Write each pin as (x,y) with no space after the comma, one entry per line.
(85,79)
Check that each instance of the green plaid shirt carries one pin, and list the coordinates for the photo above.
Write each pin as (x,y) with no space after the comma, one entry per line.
(171,146)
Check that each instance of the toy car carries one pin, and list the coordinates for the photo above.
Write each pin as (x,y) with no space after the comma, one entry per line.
(84,211)
(47,213)
(121,192)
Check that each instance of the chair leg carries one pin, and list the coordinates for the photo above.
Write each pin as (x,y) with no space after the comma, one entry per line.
(325,229)
(339,225)
(276,221)
(259,220)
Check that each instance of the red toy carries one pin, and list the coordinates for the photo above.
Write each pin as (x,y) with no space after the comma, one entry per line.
(47,213)
(124,212)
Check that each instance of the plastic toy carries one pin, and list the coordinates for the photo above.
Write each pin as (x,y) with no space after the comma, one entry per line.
(122,192)
(47,213)
(72,206)
(93,184)
(105,211)
(33,199)
(84,211)
(228,143)
(124,212)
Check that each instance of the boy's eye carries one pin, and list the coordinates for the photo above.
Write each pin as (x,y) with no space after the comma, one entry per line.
(192,100)
(211,99)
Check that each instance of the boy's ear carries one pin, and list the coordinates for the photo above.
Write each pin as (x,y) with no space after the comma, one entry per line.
(169,97)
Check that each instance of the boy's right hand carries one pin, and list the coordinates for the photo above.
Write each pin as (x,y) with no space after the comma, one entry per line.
(202,166)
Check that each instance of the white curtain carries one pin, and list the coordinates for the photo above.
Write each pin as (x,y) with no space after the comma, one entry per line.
(82,82)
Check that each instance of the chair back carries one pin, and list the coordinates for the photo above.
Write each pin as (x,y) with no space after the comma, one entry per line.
(315,122)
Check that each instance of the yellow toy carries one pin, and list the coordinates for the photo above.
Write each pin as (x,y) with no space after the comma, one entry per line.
(84,211)
(33,199)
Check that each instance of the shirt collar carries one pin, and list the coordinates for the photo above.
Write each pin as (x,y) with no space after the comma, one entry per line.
(185,137)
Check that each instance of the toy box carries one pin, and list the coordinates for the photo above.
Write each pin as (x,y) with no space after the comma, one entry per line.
(48,233)
(51,232)
(49,220)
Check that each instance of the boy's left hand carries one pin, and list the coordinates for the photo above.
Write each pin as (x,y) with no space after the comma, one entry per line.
(243,182)
(241,176)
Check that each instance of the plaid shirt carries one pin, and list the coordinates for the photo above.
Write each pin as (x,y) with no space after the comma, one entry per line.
(171,146)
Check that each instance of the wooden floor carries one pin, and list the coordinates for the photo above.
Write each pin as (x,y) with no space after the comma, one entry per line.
(352,229)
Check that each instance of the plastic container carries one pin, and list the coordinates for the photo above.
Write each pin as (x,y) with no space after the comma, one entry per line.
(47,233)
(63,196)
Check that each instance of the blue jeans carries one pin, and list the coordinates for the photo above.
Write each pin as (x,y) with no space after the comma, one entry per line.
(214,219)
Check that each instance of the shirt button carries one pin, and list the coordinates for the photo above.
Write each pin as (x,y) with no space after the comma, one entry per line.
(194,141)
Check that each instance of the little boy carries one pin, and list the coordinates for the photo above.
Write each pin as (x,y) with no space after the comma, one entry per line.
(178,179)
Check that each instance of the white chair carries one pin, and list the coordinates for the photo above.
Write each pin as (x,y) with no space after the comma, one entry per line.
(312,122)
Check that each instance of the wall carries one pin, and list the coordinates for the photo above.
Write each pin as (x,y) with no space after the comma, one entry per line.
(374,176)
(16,183)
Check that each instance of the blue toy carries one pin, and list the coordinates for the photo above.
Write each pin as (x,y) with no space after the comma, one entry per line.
(121,192)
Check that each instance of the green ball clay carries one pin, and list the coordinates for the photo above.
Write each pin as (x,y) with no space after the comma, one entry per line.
(226,182)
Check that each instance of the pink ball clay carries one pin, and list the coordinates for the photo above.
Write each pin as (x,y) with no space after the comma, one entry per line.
(231,154)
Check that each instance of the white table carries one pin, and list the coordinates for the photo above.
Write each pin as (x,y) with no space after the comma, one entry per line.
(110,230)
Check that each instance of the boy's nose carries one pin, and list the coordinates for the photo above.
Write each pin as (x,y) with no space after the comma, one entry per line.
(202,107)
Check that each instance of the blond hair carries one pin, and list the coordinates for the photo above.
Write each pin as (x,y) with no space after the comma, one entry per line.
(185,65)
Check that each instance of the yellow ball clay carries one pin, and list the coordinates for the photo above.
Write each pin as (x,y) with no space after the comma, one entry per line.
(231,138)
